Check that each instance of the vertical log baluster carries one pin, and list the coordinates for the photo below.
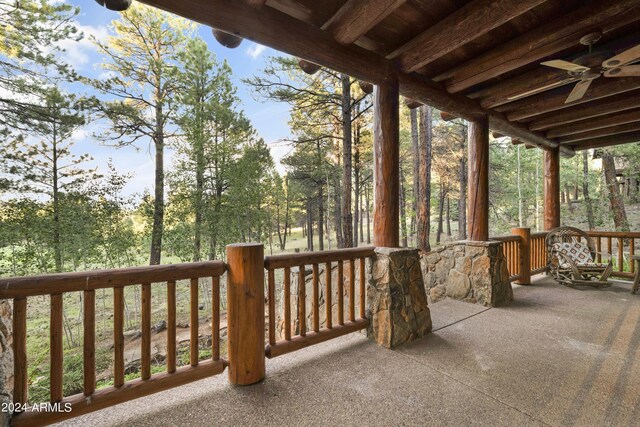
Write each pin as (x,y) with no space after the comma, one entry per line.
(145,346)
(362,288)
(620,254)
(328,296)
(632,252)
(55,335)
(171,326)
(340,292)
(89,342)
(302,304)
(316,300)
(215,317)
(194,320)
(598,249)
(20,377)
(352,290)
(118,337)
(609,251)
(271,295)
(287,303)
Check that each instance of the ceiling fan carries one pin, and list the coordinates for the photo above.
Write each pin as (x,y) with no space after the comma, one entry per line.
(592,65)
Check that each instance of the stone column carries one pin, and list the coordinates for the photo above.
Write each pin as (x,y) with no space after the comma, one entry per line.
(396,298)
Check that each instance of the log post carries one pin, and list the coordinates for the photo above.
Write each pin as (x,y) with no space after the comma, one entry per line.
(551,189)
(478,195)
(386,159)
(245,313)
(525,254)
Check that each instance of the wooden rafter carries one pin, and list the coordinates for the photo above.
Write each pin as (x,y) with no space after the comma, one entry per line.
(553,101)
(546,40)
(356,17)
(316,45)
(608,131)
(602,107)
(596,123)
(467,23)
(607,141)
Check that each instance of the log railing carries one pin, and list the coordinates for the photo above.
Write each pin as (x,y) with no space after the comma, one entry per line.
(56,285)
(347,321)
(511,250)
(617,246)
(538,252)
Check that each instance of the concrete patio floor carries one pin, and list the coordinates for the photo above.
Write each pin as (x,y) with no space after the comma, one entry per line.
(555,356)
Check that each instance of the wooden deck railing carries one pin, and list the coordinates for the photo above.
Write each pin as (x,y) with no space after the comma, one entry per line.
(313,334)
(55,285)
(538,252)
(619,247)
(511,250)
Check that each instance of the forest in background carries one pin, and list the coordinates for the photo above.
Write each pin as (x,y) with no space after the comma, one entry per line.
(163,87)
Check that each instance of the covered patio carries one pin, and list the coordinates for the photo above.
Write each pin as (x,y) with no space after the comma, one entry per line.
(555,356)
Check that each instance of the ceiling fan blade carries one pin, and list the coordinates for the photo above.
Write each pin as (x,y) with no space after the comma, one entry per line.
(565,65)
(626,57)
(578,91)
(541,89)
(626,71)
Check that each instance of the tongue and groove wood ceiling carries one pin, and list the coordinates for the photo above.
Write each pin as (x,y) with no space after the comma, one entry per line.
(469,58)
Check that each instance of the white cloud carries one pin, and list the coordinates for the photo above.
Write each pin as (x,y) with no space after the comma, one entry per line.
(78,53)
(255,50)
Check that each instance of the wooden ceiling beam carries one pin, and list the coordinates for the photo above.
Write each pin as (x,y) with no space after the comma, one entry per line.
(273,28)
(255,3)
(555,100)
(561,33)
(595,123)
(476,18)
(356,17)
(613,130)
(582,112)
(607,141)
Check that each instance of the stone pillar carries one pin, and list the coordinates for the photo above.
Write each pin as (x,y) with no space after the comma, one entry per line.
(396,298)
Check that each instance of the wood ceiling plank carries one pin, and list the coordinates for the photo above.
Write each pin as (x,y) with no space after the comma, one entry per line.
(544,41)
(608,131)
(462,26)
(606,141)
(592,124)
(555,100)
(582,112)
(356,17)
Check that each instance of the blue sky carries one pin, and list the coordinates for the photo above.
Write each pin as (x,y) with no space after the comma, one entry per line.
(268,118)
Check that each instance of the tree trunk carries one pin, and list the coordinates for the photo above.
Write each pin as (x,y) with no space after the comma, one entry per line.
(462,201)
(617,203)
(57,244)
(537,213)
(415,145)
(448,216)
(320,218)
(197,226)
(367,201)
(158,203)
(520,202)
(337,214)
(347,217)
(585,189)
(424,204)
(403,211)
(356,186)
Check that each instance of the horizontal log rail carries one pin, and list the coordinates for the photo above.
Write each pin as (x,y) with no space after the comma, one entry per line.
(56,285)
(619,246)
(313,334)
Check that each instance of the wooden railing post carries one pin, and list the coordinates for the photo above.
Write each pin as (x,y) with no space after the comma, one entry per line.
(525,254)
(245,313)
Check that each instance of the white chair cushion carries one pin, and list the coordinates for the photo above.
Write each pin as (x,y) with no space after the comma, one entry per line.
(578,253)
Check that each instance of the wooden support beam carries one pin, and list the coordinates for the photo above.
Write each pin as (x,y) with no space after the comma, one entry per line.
(559,34)
(607,141)
(497,135)
(255,3)
(386,161)
(582,112)
(318,46)
(555,100)
(551,189)
(596,123)
(356,17)
(613,130)
(478,195)
(476,18)
(447,117)
(245,313)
